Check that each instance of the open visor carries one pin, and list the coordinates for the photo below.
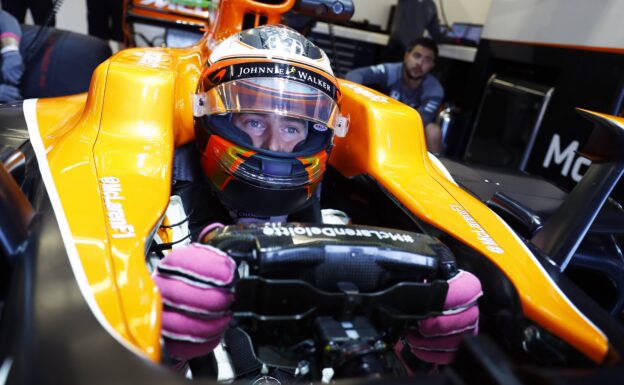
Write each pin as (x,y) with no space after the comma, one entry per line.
(279,96)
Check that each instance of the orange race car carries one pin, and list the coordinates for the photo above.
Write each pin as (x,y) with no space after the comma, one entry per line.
(78,303)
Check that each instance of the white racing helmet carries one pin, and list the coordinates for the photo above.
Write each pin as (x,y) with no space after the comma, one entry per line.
(266,110)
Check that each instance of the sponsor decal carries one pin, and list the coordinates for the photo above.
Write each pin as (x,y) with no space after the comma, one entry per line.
(277,230)
(218,77)
(379,69)
(365,92)
(476,228)
(320,127)
(281,70)
(113,197)
(151,59)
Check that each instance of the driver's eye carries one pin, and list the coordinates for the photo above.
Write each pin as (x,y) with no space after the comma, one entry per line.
(256,124)
(292,130)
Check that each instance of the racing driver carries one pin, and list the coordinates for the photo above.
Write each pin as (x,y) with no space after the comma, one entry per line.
(266,110)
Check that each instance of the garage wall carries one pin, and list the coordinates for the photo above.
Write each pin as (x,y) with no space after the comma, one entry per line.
(467,11)
(596,23)
(73,13)
(73,16)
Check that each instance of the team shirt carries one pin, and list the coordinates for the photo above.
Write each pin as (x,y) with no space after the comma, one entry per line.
(387,78)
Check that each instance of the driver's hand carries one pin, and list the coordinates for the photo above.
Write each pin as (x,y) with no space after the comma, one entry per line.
(436,339)
(195,283)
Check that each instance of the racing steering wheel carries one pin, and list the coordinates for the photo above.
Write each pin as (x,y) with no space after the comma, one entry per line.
(330,296)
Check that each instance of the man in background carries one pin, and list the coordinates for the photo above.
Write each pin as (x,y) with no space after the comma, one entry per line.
(410,82)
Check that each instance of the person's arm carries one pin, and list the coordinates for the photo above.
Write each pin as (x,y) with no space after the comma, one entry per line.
(376,75)
(430,103)
(429,109)
(10,34)
(9,27)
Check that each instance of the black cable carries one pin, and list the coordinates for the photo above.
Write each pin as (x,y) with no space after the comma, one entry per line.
(176,224)
(35,44)
(148,41)
(157,247)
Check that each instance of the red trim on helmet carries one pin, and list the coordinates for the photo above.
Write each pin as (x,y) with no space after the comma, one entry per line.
(222,187)
(240,161)
(310,161)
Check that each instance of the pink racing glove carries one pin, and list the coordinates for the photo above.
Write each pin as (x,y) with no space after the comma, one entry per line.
(195,284)
(436,339)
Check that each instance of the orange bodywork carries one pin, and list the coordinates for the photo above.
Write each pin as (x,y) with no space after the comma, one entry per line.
(386,141)
(110,156)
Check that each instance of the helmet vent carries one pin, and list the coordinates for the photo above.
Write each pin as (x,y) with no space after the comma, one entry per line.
(280,39)
(277,168)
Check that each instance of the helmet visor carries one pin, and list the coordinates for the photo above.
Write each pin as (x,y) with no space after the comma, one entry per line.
(277,96)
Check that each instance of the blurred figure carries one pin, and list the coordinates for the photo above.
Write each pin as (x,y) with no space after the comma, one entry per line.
(411,19)
(105,19)
(39,10)
(51,64)
(11,63)
(40,62)
(410,82)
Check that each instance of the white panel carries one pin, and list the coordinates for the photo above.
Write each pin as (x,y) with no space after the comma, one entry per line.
(375,11)
(73,13)
(73,16)
(464,11)
(596,23)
